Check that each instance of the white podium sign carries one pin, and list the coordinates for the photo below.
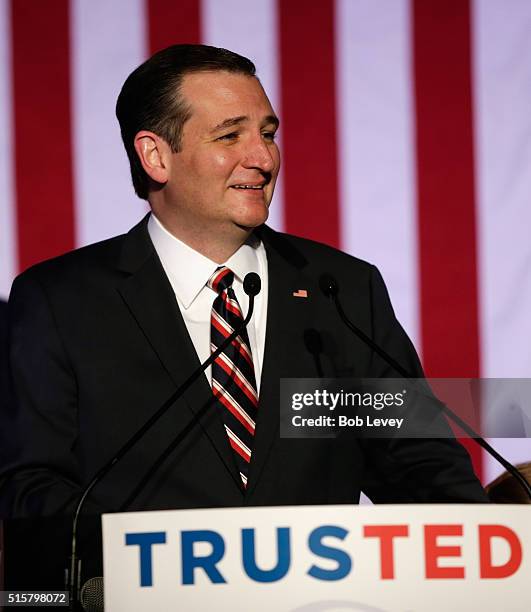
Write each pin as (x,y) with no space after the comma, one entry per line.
(320,559)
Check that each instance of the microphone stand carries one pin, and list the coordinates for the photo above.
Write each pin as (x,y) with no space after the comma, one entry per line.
(252,286)
(330,288)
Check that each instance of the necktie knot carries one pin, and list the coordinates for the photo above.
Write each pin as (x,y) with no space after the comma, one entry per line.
(222,279)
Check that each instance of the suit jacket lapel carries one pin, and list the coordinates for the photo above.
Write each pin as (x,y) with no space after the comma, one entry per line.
(287,318)
(149,296)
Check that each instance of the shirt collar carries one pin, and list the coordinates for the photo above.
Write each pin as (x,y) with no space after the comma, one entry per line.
(188,270)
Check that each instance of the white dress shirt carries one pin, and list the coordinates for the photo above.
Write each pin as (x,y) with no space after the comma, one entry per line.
(188,272)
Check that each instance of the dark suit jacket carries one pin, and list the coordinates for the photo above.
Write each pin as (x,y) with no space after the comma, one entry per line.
(98,343)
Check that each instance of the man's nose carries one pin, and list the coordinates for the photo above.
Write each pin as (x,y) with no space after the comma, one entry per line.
(260,155)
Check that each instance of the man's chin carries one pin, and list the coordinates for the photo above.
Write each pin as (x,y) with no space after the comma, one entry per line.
(251,221)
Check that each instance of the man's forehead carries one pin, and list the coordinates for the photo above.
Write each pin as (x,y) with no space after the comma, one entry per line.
(206,78)
(225,95)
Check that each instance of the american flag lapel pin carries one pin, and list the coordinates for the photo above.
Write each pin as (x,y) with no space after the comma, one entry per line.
(302,293)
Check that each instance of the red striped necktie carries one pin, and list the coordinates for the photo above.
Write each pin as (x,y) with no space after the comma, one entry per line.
(233,378)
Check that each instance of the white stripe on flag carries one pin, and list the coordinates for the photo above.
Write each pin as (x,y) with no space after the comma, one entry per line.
(503,167)
(503,137)
(108,42)
(249,28)
(8,233)
(376,144)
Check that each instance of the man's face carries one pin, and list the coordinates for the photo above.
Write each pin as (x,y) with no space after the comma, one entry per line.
(223,177)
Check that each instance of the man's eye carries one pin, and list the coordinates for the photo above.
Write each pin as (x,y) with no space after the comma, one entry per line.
(269,135)
(230,136)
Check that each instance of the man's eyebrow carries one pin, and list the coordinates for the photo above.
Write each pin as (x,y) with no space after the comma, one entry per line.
(273,119)
(232,121)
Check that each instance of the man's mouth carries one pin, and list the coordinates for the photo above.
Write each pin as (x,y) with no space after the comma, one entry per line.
(256,187)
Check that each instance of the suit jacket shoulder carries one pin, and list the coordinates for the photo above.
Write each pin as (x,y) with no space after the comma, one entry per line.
(305,252)
(98,260)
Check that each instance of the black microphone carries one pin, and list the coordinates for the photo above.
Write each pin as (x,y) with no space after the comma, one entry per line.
(91,596)
(330,289)
(251,286)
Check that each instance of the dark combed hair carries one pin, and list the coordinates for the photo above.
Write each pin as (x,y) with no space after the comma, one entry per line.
(150,98)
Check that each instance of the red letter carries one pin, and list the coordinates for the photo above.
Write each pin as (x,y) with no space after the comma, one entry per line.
(433,551)
(486,569)
(386,533)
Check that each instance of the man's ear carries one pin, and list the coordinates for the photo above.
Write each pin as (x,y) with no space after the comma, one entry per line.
(152,151)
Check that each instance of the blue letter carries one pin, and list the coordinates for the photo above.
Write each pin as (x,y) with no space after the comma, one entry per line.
(145,541)
(208,563)
(344,564)
(249,556)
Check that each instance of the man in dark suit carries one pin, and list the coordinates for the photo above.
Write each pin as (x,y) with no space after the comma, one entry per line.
(102,336)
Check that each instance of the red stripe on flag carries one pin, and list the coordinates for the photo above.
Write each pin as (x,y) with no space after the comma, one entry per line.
(172,23)
(446,191)
(42,130)
(308,113)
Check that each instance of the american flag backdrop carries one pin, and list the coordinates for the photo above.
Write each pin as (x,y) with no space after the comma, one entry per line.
(405,137)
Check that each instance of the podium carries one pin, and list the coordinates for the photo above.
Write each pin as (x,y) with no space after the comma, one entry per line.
(320,559)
